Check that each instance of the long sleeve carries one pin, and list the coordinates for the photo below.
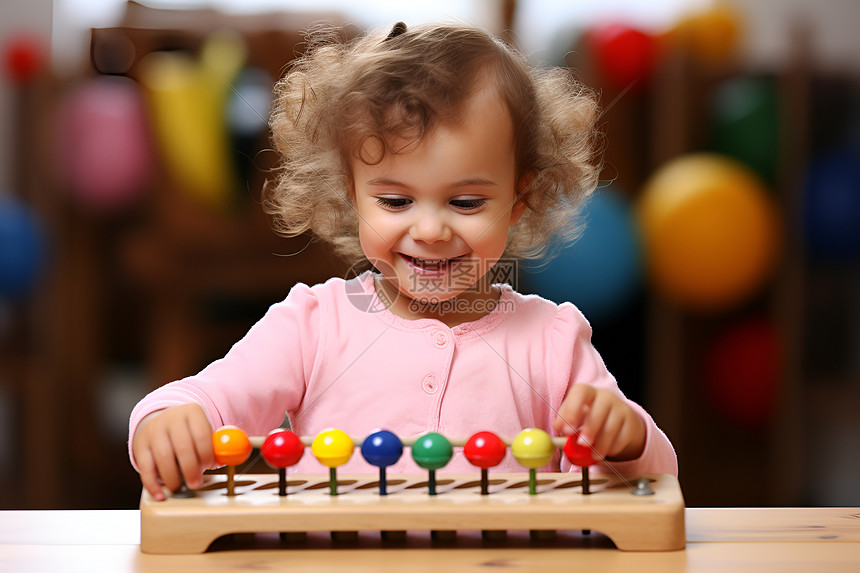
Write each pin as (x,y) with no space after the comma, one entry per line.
(262,376)
(587,367)
(329,358)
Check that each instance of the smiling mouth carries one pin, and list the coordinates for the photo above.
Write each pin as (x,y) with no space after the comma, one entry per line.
(433,265)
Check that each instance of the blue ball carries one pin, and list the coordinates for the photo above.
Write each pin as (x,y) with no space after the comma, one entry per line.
(832,206)
(382,449)
(602,271)
(22,248)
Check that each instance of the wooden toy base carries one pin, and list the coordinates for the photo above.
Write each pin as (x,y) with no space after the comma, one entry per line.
(634,523)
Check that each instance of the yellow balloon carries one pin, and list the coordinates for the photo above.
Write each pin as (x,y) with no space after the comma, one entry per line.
(186,99)
(710,35)
(533,448)
(332,447)
(711,231)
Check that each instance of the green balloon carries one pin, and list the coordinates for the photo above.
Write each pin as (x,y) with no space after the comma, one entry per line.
(432,451)
(745,123)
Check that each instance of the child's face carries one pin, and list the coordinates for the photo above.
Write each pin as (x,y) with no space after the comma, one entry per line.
(435,219)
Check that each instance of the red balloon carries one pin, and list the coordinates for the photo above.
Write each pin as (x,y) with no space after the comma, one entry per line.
(742,372)
(578,454)
(25,56)
(282,449)
(485,450)
(625,56)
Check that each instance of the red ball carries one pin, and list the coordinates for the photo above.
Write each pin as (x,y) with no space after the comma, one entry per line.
(625,56)
(578,454)
(25,56)
(282,449)
(485,450)
(742,372)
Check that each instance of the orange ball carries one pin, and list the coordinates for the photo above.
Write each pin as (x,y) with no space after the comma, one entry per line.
(231,446)
(711,231)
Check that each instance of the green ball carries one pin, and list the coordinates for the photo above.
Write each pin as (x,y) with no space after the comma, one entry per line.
(745,123)
(432,451)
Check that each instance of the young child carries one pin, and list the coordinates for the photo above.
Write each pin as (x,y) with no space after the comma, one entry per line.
(432,153)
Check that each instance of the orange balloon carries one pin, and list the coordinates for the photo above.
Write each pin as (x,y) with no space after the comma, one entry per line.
(231,445)
(710,229)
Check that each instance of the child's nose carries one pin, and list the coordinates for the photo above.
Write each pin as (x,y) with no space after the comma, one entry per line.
(428,227)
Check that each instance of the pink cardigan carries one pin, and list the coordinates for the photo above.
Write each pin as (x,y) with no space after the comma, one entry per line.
(332,356)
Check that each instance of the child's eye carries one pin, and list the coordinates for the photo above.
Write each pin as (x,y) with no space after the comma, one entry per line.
(468,203)
(392,202)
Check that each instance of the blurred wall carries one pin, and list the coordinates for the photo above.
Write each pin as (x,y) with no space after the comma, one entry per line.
(833,24)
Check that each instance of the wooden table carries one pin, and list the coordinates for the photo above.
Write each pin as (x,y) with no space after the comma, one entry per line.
(779,540)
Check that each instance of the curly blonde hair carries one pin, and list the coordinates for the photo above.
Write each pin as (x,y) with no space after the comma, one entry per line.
(341,93)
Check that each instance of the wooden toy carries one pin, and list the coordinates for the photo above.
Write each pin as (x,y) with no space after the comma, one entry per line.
(232,447)
(579,455)
(533,448)
(382,449)
(641,513)
(333,448)
(282,449)
(485,450)
(432,451)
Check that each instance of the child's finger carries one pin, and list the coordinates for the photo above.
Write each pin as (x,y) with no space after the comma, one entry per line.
(148,475)
(573,409)
(606,435)
(201,434)
(595,419)
(623,436)
(185,452)
(165,462)
(632,436)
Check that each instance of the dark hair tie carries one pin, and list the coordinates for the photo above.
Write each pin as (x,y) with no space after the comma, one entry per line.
(398,29)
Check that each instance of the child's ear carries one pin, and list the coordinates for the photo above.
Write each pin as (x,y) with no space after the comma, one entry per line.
(520,205)
(351,190)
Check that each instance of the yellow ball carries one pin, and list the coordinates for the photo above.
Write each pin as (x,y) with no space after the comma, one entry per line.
(710,229)
(533,448)
(230,445)
(332,447)
(710,35)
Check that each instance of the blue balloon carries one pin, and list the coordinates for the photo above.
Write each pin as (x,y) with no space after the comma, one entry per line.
(832,206)
(382,448)
(602,271)
(22,248)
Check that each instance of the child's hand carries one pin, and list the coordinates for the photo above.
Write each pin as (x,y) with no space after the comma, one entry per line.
(170,444)
(605,422)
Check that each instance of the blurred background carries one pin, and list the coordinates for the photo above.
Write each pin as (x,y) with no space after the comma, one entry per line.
(720,267)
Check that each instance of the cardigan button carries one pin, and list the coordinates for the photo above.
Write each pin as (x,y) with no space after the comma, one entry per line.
(430,384)
(440,339)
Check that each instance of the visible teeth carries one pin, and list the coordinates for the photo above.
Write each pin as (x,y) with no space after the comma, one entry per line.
(430,261)
(432,264)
